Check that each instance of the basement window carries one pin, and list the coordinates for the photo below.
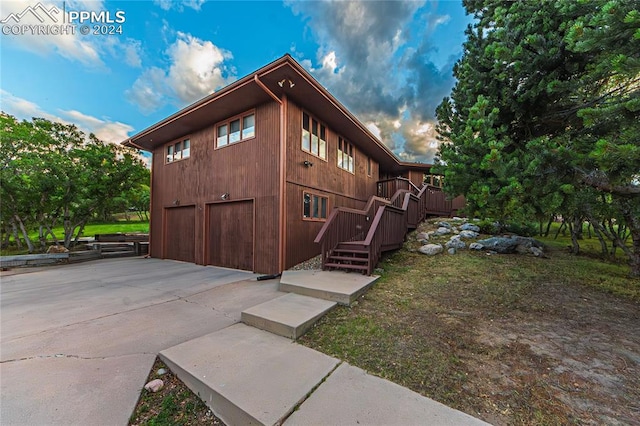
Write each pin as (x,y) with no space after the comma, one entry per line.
(236,129)
(178,151)
(314,136)
(314,207)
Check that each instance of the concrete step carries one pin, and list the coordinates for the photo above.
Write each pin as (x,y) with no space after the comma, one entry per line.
(248,376)
(341,287)
(350,396)
(290,315)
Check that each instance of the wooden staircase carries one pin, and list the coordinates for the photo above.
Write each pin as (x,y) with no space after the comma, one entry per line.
(351,255)
(353,240)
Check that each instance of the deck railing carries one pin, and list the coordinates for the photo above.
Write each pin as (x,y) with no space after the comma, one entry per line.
(384,222)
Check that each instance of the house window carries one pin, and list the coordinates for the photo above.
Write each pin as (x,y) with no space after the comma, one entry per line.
(236,129)
(345,155)
(178,151)
(314,207)
(314,136)
(369,166)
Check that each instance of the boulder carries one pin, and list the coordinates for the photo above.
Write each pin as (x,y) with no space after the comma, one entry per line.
(422,236)
(507,245)
(431,249)
(442,231)
(444,224)
(536,252)
(469,234)
(476,246)
(452,251)
(57,249)
(456,243)
(470,227)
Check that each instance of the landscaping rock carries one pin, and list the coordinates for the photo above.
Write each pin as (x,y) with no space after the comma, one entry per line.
(442,231)
(469,234)
(431,249)
(161,372)
(536,252)
(57,249)
(452,251)
(456,243)
(470,227)
(476,246)
(154,385)
(444,225)
(422,236)
(507,245)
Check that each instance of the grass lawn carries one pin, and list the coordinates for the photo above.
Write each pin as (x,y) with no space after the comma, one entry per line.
(511,339)
(91,229)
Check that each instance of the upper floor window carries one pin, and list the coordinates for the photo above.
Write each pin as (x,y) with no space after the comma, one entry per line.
(345,155)
(178,151)
(369,166)
(314,136)
(235,130)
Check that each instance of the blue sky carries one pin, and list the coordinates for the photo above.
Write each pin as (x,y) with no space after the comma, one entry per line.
(389,62)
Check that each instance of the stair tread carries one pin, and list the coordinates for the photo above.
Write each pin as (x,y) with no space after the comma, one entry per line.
(350,251)
(351,258)
(346,266)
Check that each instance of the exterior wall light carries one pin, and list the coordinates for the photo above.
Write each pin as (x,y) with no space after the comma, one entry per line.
(307,163)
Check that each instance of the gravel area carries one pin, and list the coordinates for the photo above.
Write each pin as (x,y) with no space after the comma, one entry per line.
(315,263)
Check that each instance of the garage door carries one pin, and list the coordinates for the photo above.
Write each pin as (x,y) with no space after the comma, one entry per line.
(180,233)
(230,231)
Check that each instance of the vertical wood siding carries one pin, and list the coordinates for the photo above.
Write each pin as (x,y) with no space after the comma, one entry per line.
(343,189)
(244,170)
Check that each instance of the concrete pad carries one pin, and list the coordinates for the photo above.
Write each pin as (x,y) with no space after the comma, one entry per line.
(351,396)
(246,375)
(72,391)
(341,287)
(63,295)
(290,315)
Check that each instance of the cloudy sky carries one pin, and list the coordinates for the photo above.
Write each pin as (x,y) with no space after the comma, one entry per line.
(389,62)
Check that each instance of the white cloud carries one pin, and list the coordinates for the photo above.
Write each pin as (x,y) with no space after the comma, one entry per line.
(377,58)
(197,68)
(104,129)
(89,50)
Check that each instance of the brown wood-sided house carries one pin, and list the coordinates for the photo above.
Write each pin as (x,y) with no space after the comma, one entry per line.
(247,177)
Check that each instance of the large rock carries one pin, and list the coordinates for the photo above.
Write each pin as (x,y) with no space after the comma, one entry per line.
(456,243)
(431,249)
(57,249)
(444,225)
(470,227)
(441,231)
(423,237)
(476,246)
(469,234)
(507,245)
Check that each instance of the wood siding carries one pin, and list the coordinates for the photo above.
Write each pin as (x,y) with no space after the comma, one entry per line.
(244,170)
(179,233)
(342,188)
(230,235)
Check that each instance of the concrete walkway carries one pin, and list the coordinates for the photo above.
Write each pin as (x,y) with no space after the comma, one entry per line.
(78,342)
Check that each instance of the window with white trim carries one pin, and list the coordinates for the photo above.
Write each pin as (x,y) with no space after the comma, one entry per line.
(314,207)
(345,155)
(236,129)
(178,151)
(314,136)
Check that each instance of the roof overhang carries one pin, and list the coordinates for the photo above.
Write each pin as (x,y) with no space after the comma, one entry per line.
(250,91)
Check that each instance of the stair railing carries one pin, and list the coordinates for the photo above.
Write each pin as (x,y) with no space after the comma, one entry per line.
(345,224)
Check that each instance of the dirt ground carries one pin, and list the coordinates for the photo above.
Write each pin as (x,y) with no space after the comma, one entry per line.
(578,350)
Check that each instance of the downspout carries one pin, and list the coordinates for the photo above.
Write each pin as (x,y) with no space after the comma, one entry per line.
(282,174)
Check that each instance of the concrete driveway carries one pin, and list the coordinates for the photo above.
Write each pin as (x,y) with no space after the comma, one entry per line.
(77,341)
